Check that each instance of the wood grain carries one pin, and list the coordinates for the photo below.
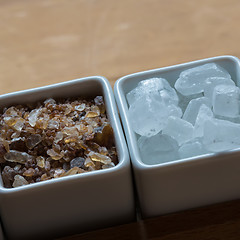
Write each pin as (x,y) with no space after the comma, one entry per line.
(50,41)
(215,222)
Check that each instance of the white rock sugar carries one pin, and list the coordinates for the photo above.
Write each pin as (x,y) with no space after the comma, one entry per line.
(158,87)
(205,113)
(221,135)
(226,100)
(197,119)
(148,116)
(192,81)
(184,100)
(192,109)
(212,82)
(179,129)
(192,148)
(158,149)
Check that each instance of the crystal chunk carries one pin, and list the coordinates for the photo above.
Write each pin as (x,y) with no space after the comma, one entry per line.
(158,149)
(72,171)
(212,82)
(106,166)
(226,100)
(33,140)
(192,109)
(221,135)
(154,86)
(192,81)
(49,101)
(80,107)
(40,161)
(33,117)
(191,149)
(58,137)
(54,155)
(29,172)
(179,129)
(148,116)
(184,100)
(175,111)
(19,181)
(97,157)
(52,124)
(77,162)
(16,156)
(204,114)
(19,124)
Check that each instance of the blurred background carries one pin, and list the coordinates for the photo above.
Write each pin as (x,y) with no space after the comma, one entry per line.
(50,41)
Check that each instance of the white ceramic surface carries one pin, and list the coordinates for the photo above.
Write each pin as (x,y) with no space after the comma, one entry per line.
(186,183)
(76,203)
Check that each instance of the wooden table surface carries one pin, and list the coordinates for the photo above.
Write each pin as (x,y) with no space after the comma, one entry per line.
(50,41)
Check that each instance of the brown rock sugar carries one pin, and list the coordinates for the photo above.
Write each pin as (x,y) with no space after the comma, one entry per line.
(54,139)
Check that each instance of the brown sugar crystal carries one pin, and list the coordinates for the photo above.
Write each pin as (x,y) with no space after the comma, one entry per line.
(54,139)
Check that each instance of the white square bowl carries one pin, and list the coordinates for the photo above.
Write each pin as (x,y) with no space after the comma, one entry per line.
(75,203)
(185,183)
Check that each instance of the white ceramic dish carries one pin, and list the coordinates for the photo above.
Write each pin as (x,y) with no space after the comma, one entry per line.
(76,203)
(186,183)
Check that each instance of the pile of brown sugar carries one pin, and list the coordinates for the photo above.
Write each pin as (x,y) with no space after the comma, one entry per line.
(54,139)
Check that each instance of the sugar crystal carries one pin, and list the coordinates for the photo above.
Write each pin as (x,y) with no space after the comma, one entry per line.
(212,82)
(221,135)
(148,116)
(184,100)
(33,116)
(192,109)
(192,81)
(158,149)
(33,140)
(16,156)
(192,148)
(204,114)
(19,181)
(178,129)
(226,100)
(158,87)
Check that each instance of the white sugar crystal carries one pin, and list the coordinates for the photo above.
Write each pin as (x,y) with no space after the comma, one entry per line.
(191,149)
(148,116)
(221,135)
(212,82)
(204,114)
(226,100)
(192,81)
(179,129)
(184,100)
(158,149)
(192,109)
(175,111)
(158,87)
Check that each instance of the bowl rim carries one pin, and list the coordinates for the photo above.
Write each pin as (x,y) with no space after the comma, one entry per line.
(109,100)
(129,133)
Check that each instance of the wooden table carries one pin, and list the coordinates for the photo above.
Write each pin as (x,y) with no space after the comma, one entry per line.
(50,41)
(216,222)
